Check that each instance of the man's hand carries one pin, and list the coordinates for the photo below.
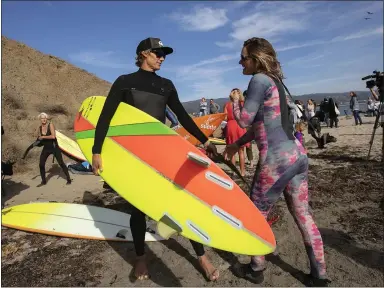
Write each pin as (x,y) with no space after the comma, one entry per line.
(97,164)
(230,150)
(211,149)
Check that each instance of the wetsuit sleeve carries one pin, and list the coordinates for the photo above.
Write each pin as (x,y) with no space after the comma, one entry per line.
(255,97)
(246,138)
(111,103)
(183,117)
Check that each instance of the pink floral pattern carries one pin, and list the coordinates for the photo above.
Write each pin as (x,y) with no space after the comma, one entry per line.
(277,155)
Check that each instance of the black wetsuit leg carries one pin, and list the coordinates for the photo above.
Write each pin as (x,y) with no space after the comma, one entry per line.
(139,227)
(59,158)
(43,158)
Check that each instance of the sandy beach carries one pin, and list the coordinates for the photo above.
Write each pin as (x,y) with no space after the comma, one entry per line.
(346,197)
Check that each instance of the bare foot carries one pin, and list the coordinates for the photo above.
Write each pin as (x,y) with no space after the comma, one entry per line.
(141,270)
(211,272)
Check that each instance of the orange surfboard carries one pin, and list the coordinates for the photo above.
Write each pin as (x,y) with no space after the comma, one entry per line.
(207,124)
(171,181)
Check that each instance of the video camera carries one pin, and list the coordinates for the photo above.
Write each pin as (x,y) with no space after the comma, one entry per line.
(377,80)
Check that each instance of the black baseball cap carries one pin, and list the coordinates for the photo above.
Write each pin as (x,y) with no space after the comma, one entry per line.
(152,43)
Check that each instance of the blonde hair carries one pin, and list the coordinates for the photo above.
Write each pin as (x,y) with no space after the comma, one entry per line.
(264,57)
(300,126)
(42,115)
(241,98)
(310,102)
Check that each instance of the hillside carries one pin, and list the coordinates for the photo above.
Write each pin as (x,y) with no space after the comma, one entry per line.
(33,82)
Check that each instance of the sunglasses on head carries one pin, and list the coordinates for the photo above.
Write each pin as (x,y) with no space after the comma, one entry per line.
(159,53)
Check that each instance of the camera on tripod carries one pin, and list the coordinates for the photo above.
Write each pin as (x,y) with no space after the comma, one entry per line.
(377,80)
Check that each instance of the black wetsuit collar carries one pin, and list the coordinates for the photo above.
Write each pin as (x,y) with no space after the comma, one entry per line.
(142,71)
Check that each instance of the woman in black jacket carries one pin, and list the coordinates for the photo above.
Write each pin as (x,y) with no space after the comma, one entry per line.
(333,115)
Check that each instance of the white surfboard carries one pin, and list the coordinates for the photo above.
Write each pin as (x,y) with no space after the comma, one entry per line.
(72,220)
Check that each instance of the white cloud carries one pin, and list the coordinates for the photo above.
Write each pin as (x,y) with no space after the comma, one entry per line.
(221,58)
(239,3)
(341,38)
(359,34)
(228,44)
(268,20)
(201,19)
(306,59)
(264,26)
(100,59)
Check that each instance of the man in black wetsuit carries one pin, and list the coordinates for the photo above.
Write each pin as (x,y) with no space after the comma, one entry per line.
(147,91)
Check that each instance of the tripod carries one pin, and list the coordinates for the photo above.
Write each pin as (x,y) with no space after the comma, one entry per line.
(377,124)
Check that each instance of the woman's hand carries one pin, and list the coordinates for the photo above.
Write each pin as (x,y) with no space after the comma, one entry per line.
(96,164)
(230,151)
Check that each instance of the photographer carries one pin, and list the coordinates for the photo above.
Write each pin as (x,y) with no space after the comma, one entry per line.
(374,94)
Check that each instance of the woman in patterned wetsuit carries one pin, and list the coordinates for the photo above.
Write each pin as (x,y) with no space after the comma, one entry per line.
(283,163)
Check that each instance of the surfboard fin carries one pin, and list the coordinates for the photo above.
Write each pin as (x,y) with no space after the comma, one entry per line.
(198,159)
(122,233)
(166,227)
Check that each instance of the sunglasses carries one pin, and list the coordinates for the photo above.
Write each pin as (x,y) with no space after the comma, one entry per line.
(244,58)
(159,53)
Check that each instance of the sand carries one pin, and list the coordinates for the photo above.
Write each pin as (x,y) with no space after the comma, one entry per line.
(346,197)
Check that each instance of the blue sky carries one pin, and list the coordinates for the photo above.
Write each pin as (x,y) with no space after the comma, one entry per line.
(323,46)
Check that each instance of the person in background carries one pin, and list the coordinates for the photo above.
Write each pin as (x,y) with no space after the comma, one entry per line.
(46,134)
(234,131)
(314,104)
(355,108)
(333,113)
(203,108)
(299,107)
(299,132)
(370,107)
(310,109)
(324,107)
(214,108)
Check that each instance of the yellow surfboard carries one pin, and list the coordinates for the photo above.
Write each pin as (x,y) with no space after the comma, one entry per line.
(217,141)
(69,146)
(171,181)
